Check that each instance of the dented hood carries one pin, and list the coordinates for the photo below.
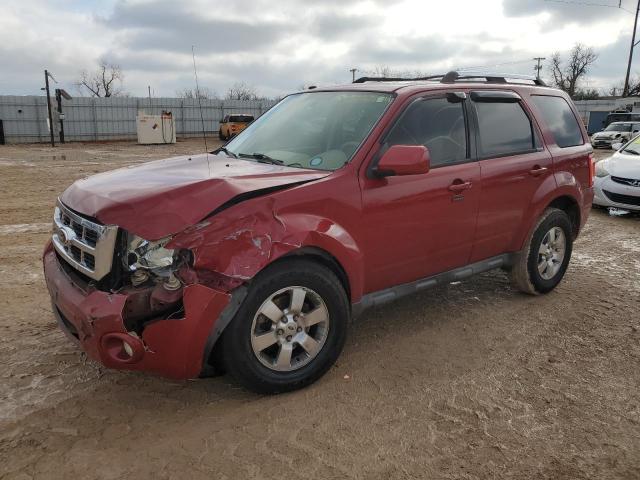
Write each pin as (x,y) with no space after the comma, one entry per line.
(164,197)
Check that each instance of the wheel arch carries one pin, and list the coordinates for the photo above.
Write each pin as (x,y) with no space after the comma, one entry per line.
(564,200)
(323,257)
(570,206)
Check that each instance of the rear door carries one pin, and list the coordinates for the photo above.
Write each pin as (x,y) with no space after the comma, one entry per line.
(418,225)
(513,165)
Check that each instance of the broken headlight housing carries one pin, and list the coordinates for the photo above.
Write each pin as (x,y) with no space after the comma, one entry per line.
(149,255)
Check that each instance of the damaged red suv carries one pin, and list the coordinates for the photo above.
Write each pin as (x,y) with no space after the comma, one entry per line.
(254,258)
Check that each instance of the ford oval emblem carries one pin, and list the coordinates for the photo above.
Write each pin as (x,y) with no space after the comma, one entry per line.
(66,235)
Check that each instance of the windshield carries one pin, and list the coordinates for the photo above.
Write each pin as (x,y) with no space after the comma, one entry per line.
(318,130)
(618,127)
(633,147)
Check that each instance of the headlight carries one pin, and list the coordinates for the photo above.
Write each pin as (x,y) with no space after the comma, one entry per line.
(601,170)
(148,255)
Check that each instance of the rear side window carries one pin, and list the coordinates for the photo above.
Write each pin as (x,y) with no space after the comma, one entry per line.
(504,129)
(560,119)
(438,125)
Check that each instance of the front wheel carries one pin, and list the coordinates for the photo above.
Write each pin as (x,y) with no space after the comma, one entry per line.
(289,330)
(541,265)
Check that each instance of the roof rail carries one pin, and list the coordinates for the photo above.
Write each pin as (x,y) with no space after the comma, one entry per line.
(454,77)
(396,79)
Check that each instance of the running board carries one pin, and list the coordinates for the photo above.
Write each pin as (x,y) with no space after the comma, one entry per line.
(381,297)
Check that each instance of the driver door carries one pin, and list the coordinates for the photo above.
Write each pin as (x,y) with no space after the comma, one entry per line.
(420,225)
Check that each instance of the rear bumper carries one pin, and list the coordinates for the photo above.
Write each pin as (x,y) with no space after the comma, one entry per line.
(174,348)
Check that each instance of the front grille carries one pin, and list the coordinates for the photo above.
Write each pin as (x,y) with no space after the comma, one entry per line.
(625,199)
(84,244)
(626,181)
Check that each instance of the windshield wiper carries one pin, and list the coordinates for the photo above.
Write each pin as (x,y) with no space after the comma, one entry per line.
(632,152)
(262,158)
(224,150)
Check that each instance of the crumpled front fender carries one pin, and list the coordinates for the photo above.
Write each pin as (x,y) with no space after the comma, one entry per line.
(239,242)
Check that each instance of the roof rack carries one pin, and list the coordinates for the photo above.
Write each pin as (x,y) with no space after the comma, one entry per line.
(454,77)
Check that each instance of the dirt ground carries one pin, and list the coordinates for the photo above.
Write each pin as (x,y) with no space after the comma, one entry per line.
(468,381)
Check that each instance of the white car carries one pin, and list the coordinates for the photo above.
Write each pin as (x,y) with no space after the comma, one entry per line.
(617,182)
(616,132)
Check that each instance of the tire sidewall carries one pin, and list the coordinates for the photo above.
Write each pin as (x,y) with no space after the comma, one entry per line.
(239,358)
(557,218)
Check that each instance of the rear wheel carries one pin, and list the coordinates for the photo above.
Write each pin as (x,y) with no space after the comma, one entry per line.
(541,265)
(289,330)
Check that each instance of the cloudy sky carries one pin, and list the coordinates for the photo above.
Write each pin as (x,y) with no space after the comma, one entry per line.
(279,45)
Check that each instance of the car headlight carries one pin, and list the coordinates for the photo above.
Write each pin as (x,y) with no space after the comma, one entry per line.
(601,170)
(148,255)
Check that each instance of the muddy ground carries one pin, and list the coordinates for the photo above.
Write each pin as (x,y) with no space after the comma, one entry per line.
(468,381)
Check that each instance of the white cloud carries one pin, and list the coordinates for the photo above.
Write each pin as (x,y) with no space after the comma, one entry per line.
(277,46)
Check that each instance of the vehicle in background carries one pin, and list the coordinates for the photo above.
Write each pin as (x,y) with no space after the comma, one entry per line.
(621,116)
(254,258)
(617,182)
(617,132)
(231,125)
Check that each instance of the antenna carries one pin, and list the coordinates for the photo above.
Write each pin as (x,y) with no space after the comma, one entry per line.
(195,72)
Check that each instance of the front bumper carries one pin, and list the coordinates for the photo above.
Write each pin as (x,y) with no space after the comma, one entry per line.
(174,348)
(605,142)
(612,194)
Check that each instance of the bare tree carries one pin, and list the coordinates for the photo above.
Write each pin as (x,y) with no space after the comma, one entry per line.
(105,81)
(586,94)
(241,91)
(203,93)
(634,88)
(567,75)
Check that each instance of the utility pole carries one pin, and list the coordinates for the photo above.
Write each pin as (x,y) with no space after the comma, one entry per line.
(46,84)
(60,114)
(538,67)
(353,74)
(625,92)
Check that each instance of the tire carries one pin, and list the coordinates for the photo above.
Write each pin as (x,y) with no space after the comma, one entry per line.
(526,274)
(262,370)
(220,136)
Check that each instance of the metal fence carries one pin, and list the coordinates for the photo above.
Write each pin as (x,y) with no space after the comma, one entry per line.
(25,118)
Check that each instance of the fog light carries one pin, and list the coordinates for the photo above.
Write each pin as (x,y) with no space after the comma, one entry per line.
(119,348)
(127,348)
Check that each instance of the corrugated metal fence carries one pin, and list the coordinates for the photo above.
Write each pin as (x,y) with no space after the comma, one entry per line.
(25,119)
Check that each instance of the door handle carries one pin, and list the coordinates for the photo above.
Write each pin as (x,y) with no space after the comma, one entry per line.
(459,186)
(538,170)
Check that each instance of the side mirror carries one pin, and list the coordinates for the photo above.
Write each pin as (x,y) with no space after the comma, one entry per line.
(616,146)
(403,160)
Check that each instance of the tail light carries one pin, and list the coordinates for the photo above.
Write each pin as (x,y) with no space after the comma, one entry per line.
(592,169)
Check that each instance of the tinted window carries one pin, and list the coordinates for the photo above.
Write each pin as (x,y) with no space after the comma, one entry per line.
(560,119)
(241,118)
(504,128)
(436,124)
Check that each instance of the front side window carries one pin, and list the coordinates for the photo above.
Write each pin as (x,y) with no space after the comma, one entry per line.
(503,129)
(318,130)
(560,119)
(438,125)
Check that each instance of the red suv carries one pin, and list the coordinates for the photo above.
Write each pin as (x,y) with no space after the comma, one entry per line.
(254,258)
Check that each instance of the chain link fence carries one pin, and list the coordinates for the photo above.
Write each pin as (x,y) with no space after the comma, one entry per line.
(24,119)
